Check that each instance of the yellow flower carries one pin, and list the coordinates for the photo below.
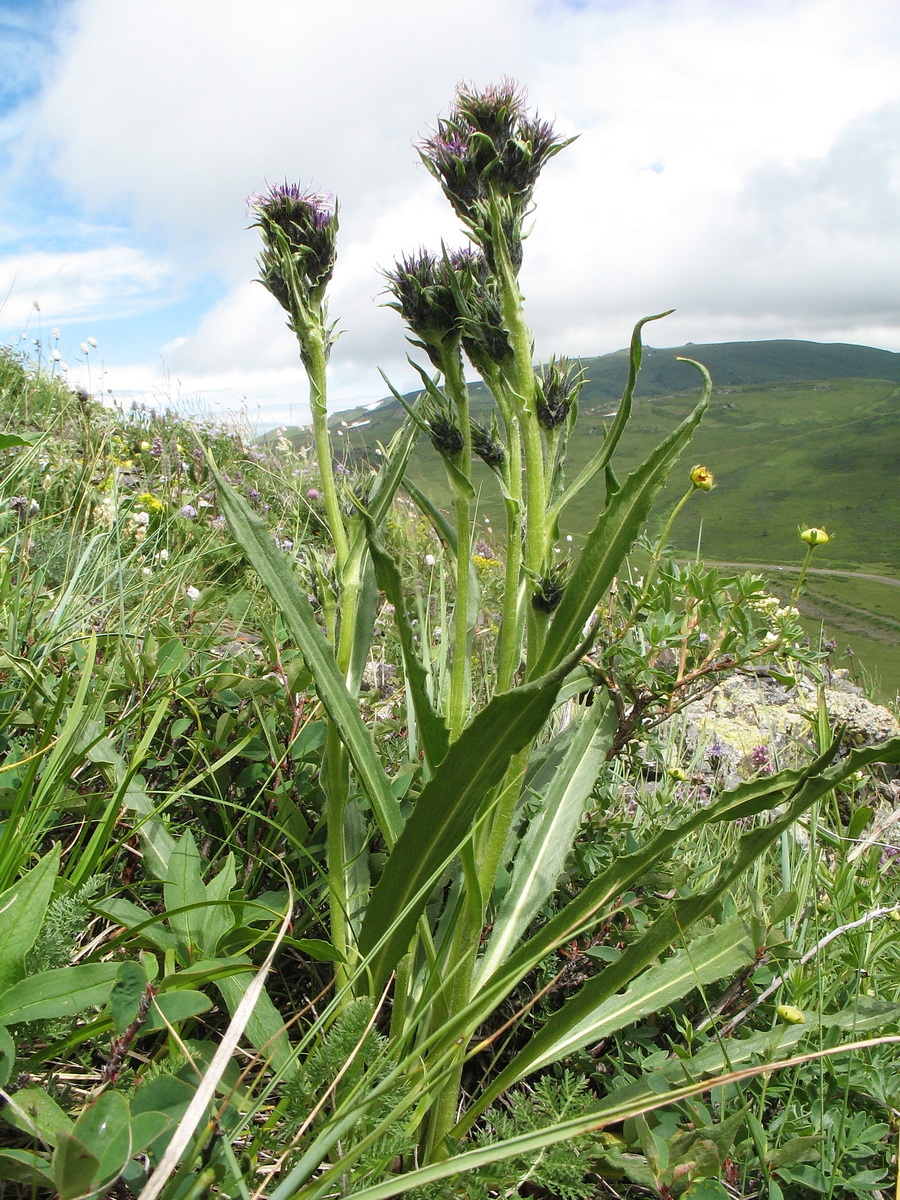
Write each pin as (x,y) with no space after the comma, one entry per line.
(702,478)
(149,501)
(814,537)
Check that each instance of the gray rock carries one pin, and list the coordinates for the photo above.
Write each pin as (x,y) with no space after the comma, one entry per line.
(749,721)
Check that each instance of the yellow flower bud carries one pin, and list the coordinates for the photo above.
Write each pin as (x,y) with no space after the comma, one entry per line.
(814,537)
(702,478)
(790,1014)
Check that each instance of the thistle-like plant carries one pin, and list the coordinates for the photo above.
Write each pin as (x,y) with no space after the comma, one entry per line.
(500,768)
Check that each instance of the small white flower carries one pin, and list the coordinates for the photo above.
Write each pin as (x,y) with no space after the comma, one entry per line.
(429,560)
(146,572)
(568,537)
(64,366)
(141,518)
(56,334)
(92,342)
(55,355)
(192,593)
(163,555)
(204,504)
(437,633)
(85,348)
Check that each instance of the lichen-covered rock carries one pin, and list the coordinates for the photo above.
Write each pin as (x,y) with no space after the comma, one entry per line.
(750,723)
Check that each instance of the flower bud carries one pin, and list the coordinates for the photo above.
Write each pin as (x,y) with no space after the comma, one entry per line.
(814,537)
(702,478)
(558,385)
(790,1014)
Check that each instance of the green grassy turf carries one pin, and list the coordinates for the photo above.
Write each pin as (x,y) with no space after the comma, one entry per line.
(784,454)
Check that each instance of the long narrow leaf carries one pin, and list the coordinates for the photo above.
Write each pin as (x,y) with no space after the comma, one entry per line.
(612,537)
(670,927)
(704,960)
(278,578)
(601,459)
(543,850)
(432,728)
(446,813)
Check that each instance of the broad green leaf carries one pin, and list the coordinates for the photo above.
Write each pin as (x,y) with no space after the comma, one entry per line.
(24,1166)
(218,918)
(706,1189)
(278,578)
(445,815)
(431,725)
(612,538)
(63,992)
(176,1005)
(35,1112)
(548,839)
(126,995)
(10,440)
(73,1166)
(7,1056)
(22,911)
(705,960)
(182,889)
(265,1030)
(146,1127)
(147,925)
(104,1129)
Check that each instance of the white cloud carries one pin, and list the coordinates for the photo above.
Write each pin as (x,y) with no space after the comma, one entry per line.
(108,281)
(737,162)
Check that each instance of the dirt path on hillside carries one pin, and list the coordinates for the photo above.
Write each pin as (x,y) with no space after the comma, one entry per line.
(812,571)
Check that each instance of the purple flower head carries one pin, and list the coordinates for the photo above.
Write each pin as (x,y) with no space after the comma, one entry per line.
(219,522)
(489,149)
(252,494)
(312,494)
(188,511)
(157,447)
(298,227)
(283,201)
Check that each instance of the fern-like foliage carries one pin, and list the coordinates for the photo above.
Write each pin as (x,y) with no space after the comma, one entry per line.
(559,1171)
(344,1066)
(64,927)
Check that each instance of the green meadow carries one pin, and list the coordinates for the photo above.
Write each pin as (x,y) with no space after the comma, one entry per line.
(784,454)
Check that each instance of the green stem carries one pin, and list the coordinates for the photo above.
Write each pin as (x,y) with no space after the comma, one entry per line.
(799,584)
(336,785)
(460,671)
(314,348)
(654,561)
(536,530)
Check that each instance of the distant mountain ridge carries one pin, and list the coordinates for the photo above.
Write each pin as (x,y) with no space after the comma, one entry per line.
(731,364)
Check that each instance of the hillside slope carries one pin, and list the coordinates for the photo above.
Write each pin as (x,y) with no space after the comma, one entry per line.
(731,364)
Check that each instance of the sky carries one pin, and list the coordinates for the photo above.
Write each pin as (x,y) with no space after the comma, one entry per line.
(737,160)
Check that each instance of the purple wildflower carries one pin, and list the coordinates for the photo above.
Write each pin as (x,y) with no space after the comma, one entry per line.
(156,448)
(312,494)
(303,224)
(188,511)
(219,522)
(759,756)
